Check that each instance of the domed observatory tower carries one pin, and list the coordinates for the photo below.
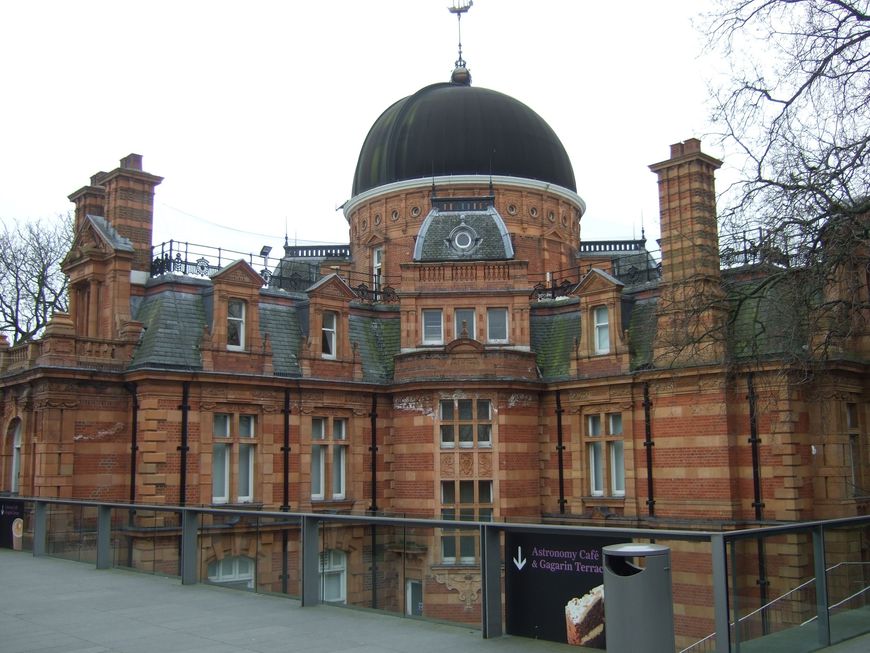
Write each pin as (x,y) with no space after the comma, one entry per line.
(463,200)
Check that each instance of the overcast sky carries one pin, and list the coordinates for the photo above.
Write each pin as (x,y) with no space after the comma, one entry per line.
(255,112)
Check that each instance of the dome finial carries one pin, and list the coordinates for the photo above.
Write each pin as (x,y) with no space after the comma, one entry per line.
(461,74)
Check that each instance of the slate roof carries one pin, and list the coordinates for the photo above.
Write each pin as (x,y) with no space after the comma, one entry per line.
(642,327)
(174,323)
(768,320)
(107,231)
(552,341)
(377,339)
(436,238)
(282,324)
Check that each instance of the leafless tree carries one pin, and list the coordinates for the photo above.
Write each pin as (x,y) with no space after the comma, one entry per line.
(32,285)
(795,111)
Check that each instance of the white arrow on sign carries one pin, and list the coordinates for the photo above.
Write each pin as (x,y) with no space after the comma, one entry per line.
(519,560)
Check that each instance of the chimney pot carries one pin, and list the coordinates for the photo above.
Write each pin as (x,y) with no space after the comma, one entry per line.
(132,162)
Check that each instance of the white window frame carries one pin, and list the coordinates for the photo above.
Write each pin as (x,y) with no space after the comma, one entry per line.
(15,468)
(246,490)
(617,467)
(329,335)
(220,495)
(236,575)
(333,562)
(338,471)
(430,337)
(601,329)
(240,346)
(247,426)
(491,323)
(410,610)
(377,267)
(318,462)
(457,323)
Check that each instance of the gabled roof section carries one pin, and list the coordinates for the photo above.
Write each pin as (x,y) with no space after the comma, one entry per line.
(108,233)
(596,280)
(96,235)
(173,326)
(239,272)
(331,285)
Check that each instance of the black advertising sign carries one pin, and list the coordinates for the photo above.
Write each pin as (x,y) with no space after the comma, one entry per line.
(554,587)
(11,523)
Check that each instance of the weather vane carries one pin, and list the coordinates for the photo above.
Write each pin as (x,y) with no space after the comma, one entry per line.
(459,7)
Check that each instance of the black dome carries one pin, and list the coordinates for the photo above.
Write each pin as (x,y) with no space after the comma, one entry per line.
(455,129)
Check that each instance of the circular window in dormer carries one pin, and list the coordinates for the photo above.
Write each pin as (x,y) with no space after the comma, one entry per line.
(463,239)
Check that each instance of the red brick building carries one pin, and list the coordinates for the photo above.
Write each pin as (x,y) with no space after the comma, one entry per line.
(467,355)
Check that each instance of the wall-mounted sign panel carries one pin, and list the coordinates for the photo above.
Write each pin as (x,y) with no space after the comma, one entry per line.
(554,587)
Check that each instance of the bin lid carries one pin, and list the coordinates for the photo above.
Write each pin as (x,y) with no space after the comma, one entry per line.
(631,550)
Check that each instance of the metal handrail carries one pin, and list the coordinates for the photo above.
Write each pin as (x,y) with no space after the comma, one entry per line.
(783,597)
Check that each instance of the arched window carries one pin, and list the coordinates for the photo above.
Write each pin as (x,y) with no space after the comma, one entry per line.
(233,571)
(13,451)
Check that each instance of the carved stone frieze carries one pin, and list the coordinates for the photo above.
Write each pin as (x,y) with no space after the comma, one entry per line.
(466,584)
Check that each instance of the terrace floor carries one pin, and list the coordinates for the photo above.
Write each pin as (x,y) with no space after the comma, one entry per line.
(53,605)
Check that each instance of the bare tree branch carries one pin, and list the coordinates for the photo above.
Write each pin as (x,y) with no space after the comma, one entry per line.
(32,285)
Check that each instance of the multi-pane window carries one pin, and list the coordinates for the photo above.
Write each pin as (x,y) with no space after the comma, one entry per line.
(463,323)
(328,458)
(496,325)
(333,576)
(601,329)
(328,332)
(236,324)
(466,421)
(433,327)
(605,455)
(233,571)
(467,500)
(234,440)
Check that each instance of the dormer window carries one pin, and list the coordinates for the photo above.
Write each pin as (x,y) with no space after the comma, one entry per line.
(328,330)
(236,325)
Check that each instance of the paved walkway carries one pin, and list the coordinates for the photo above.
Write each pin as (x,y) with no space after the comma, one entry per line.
(52,605)
(49,605)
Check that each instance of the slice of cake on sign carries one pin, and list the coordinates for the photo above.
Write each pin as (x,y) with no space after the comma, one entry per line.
(584,619)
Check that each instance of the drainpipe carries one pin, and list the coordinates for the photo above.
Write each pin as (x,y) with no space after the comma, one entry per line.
(185,409)
(648,445)
(757,504)
(374,449)
(285,450)
(373,415)
(134,432)
(560,447)
(134,448)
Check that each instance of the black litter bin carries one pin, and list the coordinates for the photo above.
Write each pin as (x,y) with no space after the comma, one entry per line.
(638,603)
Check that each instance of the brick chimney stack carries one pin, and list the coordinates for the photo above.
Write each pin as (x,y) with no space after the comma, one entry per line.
(687,203)
(125,197)
(691,310)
